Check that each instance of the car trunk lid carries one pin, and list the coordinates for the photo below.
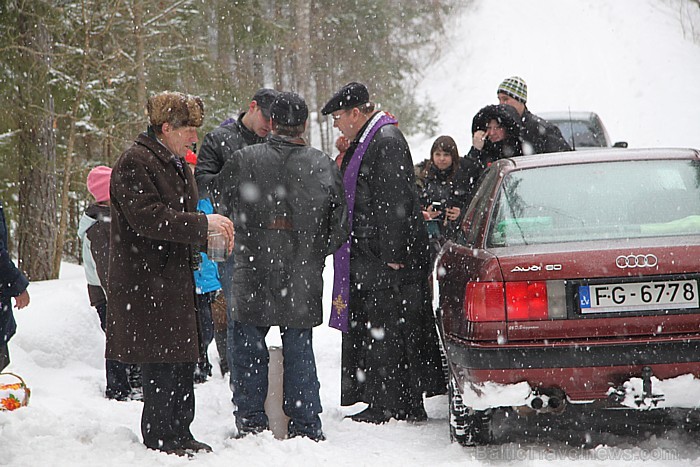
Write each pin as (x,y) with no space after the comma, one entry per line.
(606,289)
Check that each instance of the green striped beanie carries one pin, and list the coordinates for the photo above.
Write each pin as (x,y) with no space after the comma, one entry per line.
(515,87)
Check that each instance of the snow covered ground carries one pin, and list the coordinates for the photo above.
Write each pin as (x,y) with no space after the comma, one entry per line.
(625,59)
(58,351)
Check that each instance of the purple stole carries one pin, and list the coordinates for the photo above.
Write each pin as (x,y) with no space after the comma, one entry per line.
(341,258)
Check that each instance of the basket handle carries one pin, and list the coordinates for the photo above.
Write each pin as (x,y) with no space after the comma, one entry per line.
(16,376)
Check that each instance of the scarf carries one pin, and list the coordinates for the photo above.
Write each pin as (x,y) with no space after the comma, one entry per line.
(341,258)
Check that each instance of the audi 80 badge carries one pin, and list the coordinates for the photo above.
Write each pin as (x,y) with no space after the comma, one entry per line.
(574,281)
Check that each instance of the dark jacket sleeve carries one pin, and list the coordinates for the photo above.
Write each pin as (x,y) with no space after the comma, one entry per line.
(210,160)
(99,247)
(14,282)
(470,171)
(395,196)
(555,141)
(224,186)
(542,135)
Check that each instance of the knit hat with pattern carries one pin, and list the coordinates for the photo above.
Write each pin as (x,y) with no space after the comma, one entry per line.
(515,87)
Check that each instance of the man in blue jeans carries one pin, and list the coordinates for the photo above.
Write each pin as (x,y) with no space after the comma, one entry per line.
(251,127)
(288,207)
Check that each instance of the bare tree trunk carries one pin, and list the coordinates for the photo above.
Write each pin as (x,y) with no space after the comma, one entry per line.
(140,56)
(68,162)
(37,155)
(223,36)
(302,44)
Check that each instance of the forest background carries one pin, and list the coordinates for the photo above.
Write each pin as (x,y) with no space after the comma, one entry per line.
(75,76)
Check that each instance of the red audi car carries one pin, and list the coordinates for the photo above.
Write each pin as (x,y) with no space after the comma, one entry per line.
(574,281)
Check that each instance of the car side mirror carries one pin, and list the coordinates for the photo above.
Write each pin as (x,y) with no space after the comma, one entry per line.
(620,144)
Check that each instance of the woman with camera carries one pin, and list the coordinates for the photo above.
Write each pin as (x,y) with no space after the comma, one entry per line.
(442,191)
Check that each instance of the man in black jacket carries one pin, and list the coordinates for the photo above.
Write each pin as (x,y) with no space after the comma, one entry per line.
(538,135)
(288,206)
(390,354)
(218,146)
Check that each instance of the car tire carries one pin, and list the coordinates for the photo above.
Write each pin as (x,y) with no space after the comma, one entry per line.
(468,427)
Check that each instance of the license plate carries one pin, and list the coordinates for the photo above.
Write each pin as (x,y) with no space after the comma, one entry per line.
(638,296)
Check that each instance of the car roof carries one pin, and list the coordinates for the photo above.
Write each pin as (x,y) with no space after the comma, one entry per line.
(566,115)
(601,155)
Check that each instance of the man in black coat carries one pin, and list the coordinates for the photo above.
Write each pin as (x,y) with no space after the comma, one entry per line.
(390,352)
(218,146)
(13,284)
(288,206)
(538,135)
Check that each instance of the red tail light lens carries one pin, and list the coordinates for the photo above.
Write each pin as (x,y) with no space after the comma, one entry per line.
(520,301)
(526,300)
(484,301)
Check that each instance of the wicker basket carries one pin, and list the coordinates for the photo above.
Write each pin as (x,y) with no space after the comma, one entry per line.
(13,395)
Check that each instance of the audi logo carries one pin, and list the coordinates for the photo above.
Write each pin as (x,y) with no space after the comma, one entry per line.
(636,261)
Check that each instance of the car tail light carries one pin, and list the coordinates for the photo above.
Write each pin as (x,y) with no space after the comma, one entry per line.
(526,300)
(484,301)
(519,301)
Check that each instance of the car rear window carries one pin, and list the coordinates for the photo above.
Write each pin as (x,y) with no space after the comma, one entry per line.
(597,201)
(587,134)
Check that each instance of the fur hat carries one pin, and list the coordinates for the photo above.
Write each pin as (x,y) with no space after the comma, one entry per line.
(504,114)
(514,87)
(349,96)
(175,108)
(98,182)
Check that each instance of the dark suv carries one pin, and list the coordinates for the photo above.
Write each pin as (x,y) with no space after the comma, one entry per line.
(575,281)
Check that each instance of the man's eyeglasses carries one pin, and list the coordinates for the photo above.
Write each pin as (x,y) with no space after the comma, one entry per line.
(336,117)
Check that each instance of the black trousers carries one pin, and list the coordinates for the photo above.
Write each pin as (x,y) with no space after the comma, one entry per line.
(390,353)
(168,404)
(116,372)
(4,356)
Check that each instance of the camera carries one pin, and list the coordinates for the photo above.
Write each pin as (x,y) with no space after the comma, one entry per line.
(437,205)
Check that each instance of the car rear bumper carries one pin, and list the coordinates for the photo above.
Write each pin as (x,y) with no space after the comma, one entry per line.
(584,371)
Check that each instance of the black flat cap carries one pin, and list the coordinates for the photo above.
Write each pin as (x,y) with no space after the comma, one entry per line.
(264,97)
(351,95)
(289,109)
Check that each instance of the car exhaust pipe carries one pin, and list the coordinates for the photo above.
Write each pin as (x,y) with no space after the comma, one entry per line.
(537,403)
(554,402)
(548,400)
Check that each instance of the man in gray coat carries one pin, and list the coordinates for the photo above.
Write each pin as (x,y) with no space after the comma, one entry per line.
(156,233)
(289,210)
(251,127)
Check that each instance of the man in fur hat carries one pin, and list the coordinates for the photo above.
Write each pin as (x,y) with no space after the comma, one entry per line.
(156,234)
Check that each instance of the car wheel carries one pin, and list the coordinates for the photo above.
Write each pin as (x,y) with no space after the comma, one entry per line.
(468,427)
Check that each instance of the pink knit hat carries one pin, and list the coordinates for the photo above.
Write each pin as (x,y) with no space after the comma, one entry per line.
(98,182)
